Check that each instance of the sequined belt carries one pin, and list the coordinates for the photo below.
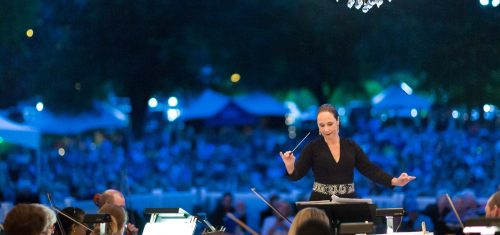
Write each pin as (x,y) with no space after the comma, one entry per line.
(333,189)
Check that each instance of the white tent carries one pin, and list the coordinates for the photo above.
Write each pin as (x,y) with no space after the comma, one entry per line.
(14,133)
(103,116)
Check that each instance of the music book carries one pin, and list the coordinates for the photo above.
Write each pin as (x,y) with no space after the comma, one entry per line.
(335,200)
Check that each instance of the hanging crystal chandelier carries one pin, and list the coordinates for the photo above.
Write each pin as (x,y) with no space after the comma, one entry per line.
(364,5)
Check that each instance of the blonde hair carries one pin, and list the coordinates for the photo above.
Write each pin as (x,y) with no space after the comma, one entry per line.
(309,213)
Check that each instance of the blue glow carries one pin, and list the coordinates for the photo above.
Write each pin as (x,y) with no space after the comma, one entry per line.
(484,2)
(414,113)
(153,102)
(39,106)
(172,101)
(406,88)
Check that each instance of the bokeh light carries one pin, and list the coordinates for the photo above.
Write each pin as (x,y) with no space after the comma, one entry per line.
(235,77)
(153,102)
(29,33)
(172,101)
(61,152)
(39,106)
(484,2)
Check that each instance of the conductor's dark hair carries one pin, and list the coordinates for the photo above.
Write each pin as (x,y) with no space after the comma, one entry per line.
(328,108)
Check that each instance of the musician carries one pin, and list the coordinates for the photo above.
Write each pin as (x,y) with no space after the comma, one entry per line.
(68,225)
(118,219)
(333,160)
(492,207)
(29,219)
(115,197)
(306,214)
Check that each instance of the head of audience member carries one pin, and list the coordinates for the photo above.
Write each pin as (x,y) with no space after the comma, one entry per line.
(492,207)
(227,200)
(309,213)
(470,199)
(110,196)
(118,219)
(284,208)
(69,226)
(30,219)
(313,226)
(441,201)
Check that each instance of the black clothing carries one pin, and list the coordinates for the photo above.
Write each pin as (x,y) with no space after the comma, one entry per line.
(317,155)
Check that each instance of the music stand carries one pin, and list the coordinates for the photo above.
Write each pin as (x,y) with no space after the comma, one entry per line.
(344,213)
(100,219)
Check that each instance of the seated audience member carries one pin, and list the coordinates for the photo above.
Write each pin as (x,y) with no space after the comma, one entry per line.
(115,197)
(492,206)
(413,219)
(437,211)
(224,205)
(240,212)
(306,214)
(461,203)
(69,226)
(29,219)
(118,219)
(268,211)
(276,225)
(312,226)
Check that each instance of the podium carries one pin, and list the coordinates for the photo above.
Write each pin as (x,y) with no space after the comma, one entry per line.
(349,218)
(353,216)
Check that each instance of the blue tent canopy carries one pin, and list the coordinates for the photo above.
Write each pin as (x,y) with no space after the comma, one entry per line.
(395,99)
(217,109)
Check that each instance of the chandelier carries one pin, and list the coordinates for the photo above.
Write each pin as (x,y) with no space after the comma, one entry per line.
(364,5)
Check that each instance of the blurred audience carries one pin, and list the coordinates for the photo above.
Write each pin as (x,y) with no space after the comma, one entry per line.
(224,205)
(413,220)
(437,211)
(277,224)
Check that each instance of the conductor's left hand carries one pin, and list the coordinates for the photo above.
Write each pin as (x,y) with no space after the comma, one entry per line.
(402,180)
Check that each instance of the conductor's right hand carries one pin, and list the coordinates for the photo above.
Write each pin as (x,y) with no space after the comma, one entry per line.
(289,160)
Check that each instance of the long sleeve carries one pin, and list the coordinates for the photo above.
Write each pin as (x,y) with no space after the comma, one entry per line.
(302,164)
(369,169)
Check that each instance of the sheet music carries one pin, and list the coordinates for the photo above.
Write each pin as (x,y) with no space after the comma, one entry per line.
(341,200)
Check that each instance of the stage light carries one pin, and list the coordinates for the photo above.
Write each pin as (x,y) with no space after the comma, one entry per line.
(414,113)
(172,101)
(153,102)
(39,106)
(495,3)
(235,77)
(484,2)
(29,33)
(455,114)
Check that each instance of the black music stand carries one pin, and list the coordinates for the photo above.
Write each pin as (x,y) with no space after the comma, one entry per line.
(362,213)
